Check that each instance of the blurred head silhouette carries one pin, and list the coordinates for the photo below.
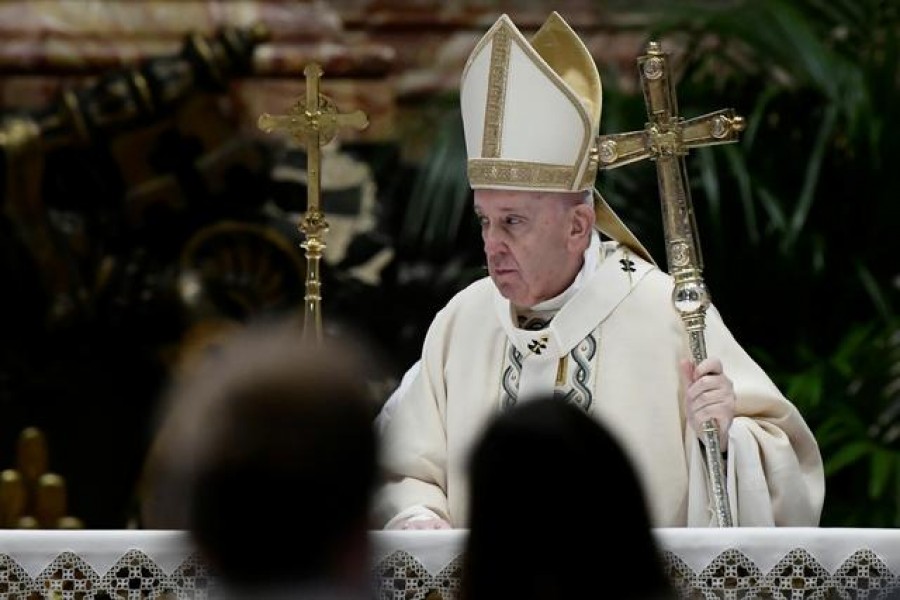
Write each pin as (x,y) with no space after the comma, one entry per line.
(267,456)
(549,486)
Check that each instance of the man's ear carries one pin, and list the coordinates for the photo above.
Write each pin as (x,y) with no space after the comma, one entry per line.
(581,225)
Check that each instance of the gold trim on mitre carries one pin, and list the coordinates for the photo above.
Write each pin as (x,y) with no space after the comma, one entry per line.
(555,59)
(496,93)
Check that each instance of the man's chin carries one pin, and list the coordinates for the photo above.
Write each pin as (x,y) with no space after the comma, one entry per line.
(510,292)
(502,286)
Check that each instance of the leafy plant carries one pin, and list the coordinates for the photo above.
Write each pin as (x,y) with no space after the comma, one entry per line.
(797,220)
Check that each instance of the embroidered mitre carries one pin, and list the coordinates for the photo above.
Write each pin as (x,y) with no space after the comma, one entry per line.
(531,110)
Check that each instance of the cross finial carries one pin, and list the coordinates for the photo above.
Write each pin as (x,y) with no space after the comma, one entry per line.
(313,122)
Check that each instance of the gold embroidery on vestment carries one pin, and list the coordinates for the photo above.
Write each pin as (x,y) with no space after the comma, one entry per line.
(562,371)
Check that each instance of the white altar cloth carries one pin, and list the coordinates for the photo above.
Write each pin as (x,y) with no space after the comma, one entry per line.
(708,563)
(765,546)
(697,547)
(34,550)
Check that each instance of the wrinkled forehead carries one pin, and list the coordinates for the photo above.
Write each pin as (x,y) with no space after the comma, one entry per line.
(503,201)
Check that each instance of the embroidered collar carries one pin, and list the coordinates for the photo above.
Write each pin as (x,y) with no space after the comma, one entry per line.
(615,272)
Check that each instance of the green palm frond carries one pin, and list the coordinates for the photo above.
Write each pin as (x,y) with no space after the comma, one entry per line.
(440,194)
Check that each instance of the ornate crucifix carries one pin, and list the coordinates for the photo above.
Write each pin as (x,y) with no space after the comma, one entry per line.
(666,139)
(313,122)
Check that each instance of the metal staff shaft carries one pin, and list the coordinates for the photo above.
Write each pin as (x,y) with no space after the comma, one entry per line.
(666,139)
(689,296)
(691,299)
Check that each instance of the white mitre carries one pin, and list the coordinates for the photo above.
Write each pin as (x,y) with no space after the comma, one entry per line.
(531,115)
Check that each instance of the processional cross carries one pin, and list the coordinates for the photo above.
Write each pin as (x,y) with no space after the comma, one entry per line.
(313,122)
(666,139)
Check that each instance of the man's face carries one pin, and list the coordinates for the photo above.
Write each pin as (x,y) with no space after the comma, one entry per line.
(528,242)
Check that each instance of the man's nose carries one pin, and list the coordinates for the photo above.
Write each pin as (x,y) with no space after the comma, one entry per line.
(493,240)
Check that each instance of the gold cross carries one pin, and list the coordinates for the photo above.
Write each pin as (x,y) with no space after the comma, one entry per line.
(666,139)
(313,122)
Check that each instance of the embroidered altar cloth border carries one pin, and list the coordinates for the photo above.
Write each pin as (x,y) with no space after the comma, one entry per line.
(440,551)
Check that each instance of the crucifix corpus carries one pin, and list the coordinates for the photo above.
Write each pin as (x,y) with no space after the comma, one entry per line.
(666,139)
(313,122)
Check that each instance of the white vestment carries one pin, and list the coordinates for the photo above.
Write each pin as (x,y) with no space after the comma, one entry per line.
(613,349)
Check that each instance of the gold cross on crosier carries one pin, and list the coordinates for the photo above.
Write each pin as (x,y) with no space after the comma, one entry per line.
(666,139)
(313,122)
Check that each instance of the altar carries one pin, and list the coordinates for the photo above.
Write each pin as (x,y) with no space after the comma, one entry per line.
(788,563)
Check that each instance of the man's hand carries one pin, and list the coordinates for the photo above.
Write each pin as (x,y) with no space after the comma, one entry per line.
(423,523)
(709,394)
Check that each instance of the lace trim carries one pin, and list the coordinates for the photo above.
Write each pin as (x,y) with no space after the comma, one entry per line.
(401,576)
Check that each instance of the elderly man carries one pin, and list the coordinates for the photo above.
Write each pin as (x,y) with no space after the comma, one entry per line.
(589,320)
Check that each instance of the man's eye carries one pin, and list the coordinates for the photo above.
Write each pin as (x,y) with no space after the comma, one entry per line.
(513,220)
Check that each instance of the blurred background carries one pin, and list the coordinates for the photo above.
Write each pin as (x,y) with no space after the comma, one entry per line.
(144,214)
